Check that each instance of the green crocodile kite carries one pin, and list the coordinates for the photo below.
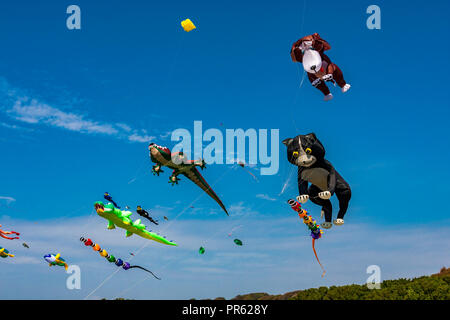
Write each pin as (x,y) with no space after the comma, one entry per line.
(122,219)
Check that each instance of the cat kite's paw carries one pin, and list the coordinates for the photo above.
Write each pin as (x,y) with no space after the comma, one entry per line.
(325,195)
(326,225)
(339,222)
(303,198)
(346,88)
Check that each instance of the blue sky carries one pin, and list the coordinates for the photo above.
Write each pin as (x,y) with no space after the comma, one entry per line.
(78,107)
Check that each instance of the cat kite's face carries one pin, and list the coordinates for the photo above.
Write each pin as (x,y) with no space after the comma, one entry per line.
(304,150)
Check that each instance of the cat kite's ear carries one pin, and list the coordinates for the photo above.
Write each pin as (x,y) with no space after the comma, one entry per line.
(287,141)
(312,135)
(318,148)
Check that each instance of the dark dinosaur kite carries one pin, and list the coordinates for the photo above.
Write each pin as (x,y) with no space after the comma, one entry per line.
(162,156)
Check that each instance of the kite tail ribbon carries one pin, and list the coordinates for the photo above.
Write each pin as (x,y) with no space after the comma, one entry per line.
(145,270)
(315,253)
(2,234)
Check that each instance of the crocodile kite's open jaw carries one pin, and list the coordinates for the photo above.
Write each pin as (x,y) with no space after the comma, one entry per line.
(99,207)
(156,150)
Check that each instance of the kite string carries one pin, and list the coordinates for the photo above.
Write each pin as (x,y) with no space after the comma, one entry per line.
(175,60)
(258,208)
(291,171)
(237,221)
(187,207)
(101,284)
(296,92)
(303,78)
(137,174)
(298,68)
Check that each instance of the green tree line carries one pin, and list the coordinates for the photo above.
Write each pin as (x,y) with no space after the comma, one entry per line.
(434,287)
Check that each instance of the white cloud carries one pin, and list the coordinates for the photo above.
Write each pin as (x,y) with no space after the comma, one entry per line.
(13,126)
(34,112)
(124,126)
(265,197)
(165,135)
(8,200)
(241,210)
(140,138)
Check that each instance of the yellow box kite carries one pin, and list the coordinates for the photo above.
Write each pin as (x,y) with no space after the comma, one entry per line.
(187,25)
